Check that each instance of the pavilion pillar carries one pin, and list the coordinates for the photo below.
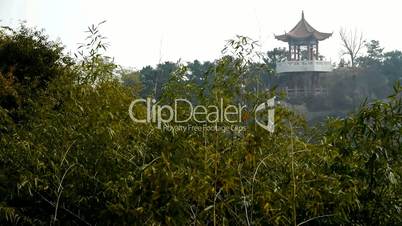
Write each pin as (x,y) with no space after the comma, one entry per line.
(312,53)
(316,51)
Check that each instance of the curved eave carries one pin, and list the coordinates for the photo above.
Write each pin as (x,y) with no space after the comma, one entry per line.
(316,35)
(283,38)
(322,36)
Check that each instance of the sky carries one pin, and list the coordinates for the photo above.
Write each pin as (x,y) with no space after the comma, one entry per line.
(146,32)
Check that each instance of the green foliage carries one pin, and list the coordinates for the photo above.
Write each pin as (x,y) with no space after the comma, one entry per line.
(374,55)
(28,62)
(78,159)
(274,56)
(367,150)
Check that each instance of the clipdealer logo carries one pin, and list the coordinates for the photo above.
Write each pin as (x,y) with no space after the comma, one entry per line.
(163,115)
(269,107)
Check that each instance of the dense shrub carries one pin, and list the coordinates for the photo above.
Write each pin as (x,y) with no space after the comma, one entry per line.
(82,161)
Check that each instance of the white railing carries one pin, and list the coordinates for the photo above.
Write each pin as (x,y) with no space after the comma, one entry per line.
(303,66)
(294,92)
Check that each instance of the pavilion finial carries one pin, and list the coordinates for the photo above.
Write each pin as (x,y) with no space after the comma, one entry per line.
(302,14)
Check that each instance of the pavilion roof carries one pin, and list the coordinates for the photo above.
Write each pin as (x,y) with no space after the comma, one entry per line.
(303,30)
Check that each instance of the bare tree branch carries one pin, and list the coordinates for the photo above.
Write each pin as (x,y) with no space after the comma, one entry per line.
(352,43)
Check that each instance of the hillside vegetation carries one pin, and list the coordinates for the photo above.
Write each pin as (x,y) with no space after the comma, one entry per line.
(71,155)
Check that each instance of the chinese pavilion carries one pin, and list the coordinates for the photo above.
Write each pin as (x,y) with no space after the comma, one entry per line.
(304,64)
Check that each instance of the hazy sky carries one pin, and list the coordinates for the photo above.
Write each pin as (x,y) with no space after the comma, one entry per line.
(145,32)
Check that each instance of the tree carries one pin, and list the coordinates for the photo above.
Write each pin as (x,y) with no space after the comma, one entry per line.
(28,63)
(342,63)
(131,79)
(392,65)
(374,55)
(274,56)
(154,78)
(352,43)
